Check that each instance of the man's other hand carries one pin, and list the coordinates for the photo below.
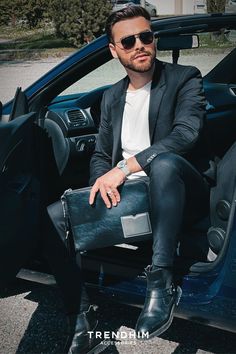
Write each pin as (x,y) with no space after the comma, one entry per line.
(107,186)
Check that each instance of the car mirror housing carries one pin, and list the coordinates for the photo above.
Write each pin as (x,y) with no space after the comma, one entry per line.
(178,42)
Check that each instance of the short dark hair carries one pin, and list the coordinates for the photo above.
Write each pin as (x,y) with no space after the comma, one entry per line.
(124,14)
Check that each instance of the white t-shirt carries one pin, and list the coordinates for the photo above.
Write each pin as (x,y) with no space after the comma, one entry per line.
(135,125)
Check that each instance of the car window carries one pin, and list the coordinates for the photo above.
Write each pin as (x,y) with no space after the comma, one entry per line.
(106,74)
(212,50)
(23,73)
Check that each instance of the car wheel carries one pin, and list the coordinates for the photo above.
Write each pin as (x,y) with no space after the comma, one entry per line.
(153,13)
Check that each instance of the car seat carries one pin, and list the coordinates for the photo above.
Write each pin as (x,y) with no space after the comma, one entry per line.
(221,200)
(60,144)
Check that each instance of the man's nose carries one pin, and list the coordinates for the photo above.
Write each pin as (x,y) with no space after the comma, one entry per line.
(138,44)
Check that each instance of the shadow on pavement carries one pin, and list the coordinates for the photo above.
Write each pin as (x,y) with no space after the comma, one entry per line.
(47,328)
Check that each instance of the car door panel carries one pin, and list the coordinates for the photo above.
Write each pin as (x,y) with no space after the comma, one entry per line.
(18,204)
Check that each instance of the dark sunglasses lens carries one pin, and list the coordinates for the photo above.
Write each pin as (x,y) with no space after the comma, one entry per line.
(146,37)
(128,42)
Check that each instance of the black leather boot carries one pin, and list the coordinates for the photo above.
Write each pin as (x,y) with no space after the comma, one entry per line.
(161,297)
(83,339)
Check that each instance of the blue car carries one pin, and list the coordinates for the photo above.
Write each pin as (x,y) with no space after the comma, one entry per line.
(47,136)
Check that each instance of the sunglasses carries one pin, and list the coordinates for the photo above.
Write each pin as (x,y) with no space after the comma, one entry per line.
(146,37)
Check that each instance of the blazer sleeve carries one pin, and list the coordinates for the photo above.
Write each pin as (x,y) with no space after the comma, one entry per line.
(188,120)
(101,161)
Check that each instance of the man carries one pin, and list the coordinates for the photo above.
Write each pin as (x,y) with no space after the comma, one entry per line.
(151,122)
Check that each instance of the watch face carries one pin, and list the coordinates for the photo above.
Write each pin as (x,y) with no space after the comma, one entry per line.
(121,164)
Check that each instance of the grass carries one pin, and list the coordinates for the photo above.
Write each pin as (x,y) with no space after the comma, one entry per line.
(19,42)
(42,41)
(20,38)
(215,41)
(45,42)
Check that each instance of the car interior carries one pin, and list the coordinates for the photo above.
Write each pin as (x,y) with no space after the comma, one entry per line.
(64,140)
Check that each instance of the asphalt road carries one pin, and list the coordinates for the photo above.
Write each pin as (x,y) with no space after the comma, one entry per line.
(32,321)
(24,72)
(31,315)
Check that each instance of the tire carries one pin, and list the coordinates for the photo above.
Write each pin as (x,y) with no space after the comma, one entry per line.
(153,13)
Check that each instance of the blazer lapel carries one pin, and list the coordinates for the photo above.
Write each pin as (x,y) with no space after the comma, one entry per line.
(157,91)
(117,111)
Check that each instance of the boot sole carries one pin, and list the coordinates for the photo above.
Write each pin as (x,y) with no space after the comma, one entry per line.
(162,329)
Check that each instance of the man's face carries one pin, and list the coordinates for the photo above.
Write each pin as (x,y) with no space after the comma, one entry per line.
(140,57)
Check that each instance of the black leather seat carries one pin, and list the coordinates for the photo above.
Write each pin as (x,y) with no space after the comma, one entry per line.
(60,144)
(221,199)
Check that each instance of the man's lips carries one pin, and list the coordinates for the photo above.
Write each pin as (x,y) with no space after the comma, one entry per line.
(141,56)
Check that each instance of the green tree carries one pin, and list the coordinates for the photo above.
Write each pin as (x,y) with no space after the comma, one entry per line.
(4,13)
(214,6)
(33,11)
(9,12)
(79,21)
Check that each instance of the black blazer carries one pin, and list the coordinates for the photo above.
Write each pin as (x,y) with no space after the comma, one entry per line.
(176,119)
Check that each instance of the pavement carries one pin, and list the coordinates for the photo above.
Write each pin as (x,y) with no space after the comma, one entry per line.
(24,72)
(32,321)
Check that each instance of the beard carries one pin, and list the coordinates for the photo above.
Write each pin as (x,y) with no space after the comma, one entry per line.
(139,67)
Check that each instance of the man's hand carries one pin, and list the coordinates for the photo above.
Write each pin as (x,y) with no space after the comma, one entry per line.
(107,186)
(108,183)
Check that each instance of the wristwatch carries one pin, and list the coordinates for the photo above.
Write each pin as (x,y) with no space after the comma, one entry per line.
(122,165)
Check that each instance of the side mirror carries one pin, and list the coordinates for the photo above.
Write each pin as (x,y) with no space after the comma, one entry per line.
(178,42)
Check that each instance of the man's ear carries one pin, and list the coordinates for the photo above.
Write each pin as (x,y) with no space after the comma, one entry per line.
(113,50)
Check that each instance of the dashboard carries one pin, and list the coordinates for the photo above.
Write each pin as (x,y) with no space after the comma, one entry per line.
(72,123)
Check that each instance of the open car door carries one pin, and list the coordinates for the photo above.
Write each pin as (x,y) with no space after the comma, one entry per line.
(18,195)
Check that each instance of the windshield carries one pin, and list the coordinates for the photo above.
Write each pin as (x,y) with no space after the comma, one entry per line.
(121,2)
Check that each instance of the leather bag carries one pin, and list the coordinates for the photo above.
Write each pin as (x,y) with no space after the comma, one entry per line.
(97,226)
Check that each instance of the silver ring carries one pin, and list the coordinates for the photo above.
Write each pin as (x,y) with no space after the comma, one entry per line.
(109,192)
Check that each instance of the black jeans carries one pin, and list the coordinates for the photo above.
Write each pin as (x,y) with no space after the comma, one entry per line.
(179,195)
(65,267)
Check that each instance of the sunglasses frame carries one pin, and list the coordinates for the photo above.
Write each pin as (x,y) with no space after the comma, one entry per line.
(135,36)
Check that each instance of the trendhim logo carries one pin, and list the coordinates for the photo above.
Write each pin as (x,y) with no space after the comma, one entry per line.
(119,335)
